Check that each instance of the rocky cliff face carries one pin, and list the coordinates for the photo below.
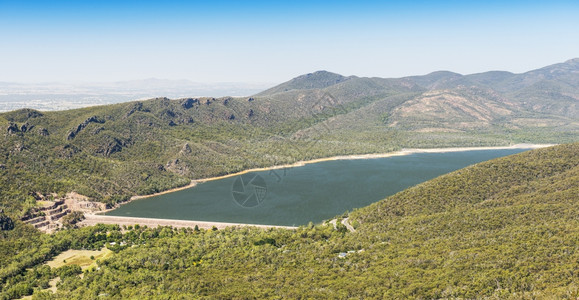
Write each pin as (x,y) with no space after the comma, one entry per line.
(73,133)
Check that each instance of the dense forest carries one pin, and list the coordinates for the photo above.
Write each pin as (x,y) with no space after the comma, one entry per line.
(506,228)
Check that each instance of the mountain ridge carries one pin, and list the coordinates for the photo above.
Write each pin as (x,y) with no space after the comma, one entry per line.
(551,91)
(570,65)
(147,146)
(317,79)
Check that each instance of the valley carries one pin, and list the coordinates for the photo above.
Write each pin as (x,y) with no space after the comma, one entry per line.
(113,152)
(312,191)
(502,228)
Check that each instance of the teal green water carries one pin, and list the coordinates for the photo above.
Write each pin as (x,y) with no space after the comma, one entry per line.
(298,195)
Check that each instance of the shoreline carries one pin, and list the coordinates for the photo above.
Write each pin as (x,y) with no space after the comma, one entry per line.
(402,152)
(194,182)
(371,156)
(190,185)
(91,220)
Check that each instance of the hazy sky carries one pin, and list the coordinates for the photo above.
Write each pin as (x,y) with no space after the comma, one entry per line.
(265,41)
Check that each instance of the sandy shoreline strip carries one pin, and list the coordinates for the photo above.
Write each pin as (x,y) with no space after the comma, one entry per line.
(91,220)
(190,185)
(371,156)
(347,157)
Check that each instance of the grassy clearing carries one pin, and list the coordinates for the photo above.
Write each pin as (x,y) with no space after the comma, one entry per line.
(81,258)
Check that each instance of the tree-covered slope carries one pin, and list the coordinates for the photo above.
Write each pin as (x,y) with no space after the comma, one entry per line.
(506,228)
(538,106)
(111,152)
(316,80)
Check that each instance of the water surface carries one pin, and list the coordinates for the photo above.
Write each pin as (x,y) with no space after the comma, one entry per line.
(298,195)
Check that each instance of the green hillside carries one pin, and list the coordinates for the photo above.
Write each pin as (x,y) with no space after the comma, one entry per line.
(112,152)
(506,228)
(316,80)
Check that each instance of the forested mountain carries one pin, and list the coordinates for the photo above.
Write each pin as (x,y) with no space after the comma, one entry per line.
(109,153)
(506,228)
(316,80)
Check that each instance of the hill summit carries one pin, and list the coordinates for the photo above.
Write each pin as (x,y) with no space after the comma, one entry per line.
(316,80)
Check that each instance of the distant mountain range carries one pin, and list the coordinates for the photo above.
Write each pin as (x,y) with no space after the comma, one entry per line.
(62,96)
(111,152)
(446,102)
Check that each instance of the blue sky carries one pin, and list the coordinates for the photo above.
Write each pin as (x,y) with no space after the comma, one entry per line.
(266,41)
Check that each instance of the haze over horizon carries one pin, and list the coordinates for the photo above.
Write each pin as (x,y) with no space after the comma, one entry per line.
(257,41)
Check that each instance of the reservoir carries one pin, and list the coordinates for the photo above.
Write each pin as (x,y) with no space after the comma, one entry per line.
(298,195)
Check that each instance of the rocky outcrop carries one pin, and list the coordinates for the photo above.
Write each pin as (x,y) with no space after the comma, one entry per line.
(67,151)
(177,166)
(73,133)
(43,132)
(98,130)
(187,120)
(31,113)
(114,145)
(188,103)
(167,113)
(186,149)
(138,106)
(12,129)
(26,127)
(164,101)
